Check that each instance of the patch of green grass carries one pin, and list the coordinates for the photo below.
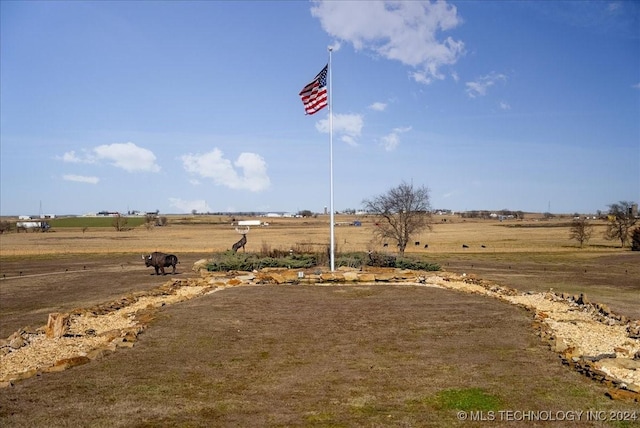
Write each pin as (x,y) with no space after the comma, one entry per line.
(93,222)
(325,419)
(465,399)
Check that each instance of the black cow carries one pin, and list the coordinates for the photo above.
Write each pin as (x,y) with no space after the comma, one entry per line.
(159,261)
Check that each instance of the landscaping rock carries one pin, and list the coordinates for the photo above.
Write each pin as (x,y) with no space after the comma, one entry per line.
(57,325)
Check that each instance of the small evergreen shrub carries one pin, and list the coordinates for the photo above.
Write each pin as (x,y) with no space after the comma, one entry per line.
(228,261)
(414,264)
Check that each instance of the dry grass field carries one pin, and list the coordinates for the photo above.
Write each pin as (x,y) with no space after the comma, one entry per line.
(216,233)
(310,355)
(533,254)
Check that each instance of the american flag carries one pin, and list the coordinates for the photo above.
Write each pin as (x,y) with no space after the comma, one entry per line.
(314,95)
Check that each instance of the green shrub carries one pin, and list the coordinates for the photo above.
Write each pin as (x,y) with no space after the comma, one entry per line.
(413,264)
(222,262)
(352,260)
(227,261)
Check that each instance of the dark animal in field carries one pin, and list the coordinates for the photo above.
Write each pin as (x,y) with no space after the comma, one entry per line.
(465,246)
(417,243)
(159,261)
(483,246)
(426,245)
(242,242)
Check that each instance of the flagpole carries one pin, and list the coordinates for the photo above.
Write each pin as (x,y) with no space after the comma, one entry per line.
(331,218)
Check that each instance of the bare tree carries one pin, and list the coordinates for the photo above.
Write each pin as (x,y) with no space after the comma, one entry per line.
(149,221)
(620,222)
(119,222)
(403,212)
(581,231)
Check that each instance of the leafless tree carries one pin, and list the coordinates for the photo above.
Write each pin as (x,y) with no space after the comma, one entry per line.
(403,212)
(620,222)
(149,221)
(119,222)
(581,231)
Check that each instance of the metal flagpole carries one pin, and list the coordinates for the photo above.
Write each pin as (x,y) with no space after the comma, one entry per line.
(331,219)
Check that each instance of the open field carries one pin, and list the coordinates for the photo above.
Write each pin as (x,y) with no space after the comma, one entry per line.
(309,355)
(531,254)
(216,233)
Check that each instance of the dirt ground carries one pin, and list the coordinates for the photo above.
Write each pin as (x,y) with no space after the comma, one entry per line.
(34,287)
(289,355)
(309,355)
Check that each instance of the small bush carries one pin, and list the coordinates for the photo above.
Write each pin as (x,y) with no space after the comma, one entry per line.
(352,260)
(381,260)
(247,261)
(274,258)
(413,264)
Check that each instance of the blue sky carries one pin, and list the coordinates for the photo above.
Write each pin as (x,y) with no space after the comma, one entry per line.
(181,106)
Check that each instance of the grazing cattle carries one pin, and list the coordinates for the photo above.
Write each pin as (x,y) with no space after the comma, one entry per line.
(465,246)
(483,246)
(385,245)
(417,243)
(159,261)
(426,245)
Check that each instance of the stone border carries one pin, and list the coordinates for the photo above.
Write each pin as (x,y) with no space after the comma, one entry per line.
(618,368)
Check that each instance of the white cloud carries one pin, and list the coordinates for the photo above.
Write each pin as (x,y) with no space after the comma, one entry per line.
(636,86)
(128,156)
(391,141)
(199,205)
(378,106)
(404,31)
(81,178)
(505,105)
(213,165)
(71,157)
(481,84)
(347,126)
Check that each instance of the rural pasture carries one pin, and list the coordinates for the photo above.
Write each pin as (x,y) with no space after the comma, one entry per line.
(387,355)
